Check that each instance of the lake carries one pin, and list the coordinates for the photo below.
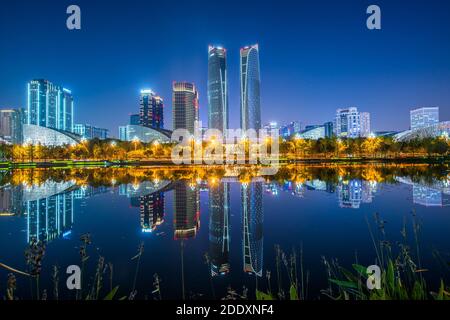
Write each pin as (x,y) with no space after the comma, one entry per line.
(213,232)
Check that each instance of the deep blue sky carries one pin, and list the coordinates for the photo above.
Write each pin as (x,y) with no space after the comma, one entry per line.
(315,56)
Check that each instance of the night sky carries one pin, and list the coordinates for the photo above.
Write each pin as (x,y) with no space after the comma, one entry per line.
(315,56)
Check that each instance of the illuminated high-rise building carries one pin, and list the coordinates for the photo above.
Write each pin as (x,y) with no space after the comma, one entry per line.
(186,205)
(217,89)
(219,228)
(250,88)
(253,236)
(151,113)
(184,106)
(50,106)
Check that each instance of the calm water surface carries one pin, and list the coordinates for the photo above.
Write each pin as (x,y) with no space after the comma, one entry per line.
(207,230)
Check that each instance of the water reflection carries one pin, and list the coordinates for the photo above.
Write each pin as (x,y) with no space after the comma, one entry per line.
(48,205)
(252,217)
(434,194)
(219,228)
(168,201)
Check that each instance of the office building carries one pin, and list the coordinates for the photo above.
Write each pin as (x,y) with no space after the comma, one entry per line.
(250,83)
(50,106)
(348,124)
(217,89)
(151,110)
(184,106)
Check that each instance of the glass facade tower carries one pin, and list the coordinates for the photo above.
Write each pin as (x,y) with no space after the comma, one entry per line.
(49,106)
(151,110)
(250,88)
(217,89)
(184,106)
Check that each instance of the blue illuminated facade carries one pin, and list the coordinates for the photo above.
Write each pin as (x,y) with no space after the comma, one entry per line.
(250,88)
(217,88)
(49,106)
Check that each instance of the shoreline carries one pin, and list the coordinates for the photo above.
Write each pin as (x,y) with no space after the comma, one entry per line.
(439,160)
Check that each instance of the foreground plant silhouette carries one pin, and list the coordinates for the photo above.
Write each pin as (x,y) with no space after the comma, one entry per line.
(401,277)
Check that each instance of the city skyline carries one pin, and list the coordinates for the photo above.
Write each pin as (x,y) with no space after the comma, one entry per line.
(318,69)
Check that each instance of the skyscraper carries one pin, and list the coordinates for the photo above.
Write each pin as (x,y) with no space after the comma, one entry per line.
(217,89)
(424,117)
(250,88)
(151,112)
(49,106)
(11,125)
(184,106)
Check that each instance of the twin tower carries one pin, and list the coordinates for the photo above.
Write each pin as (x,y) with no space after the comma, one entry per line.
(218,111)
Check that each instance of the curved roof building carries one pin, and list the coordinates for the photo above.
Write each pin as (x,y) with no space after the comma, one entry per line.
(34,134)
(144,134)
(433,131)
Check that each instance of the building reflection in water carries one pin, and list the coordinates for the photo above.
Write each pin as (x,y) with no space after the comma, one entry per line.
(48,208)
(11,200)
(219,228)
(252,231)
(426,196)
(50,217)
(433,194)
(151,210)
(148,196)
(353,192)
(186,205)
